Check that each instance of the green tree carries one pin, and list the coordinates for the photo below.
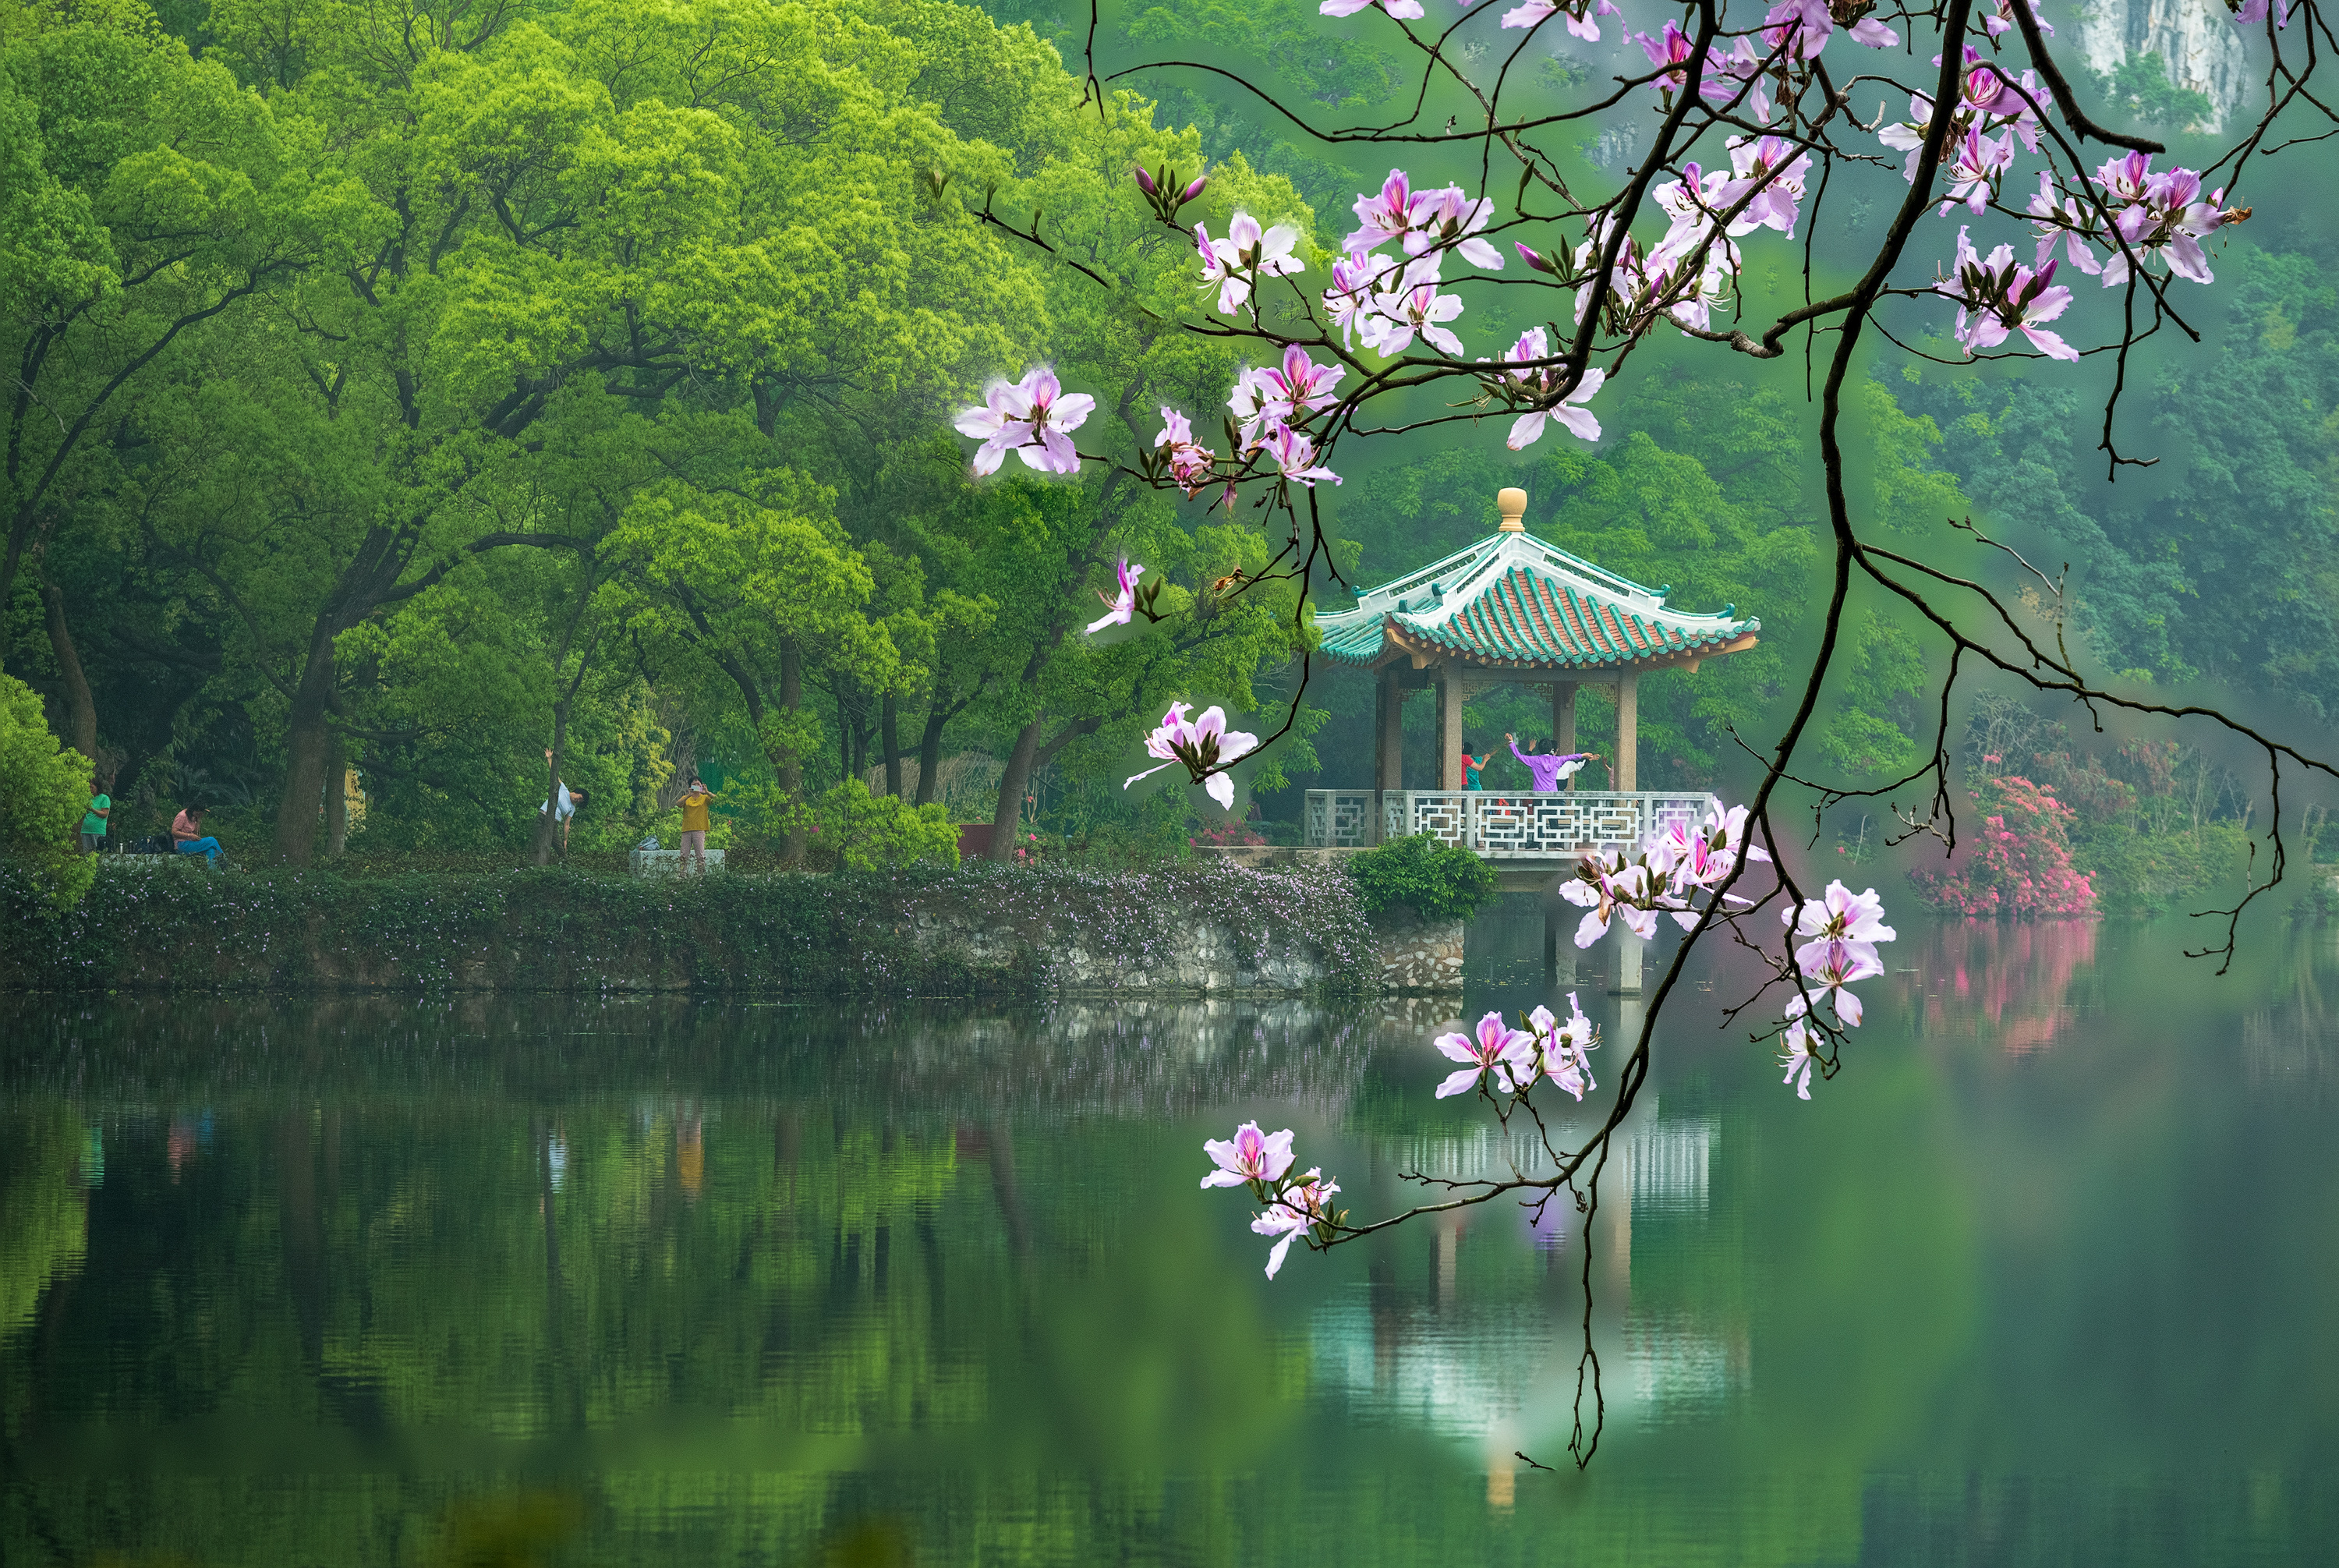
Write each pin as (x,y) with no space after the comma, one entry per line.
(43,787)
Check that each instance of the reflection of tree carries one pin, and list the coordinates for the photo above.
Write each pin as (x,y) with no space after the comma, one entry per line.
(44,1220)
(2011,980)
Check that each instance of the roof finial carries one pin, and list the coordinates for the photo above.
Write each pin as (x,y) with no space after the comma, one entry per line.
(1514,505)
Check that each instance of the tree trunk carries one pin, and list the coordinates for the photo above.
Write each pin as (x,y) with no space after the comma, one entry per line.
(790,769)
(1010,791)
(930,752)
(81,708)
(889,737)
(308,739)
(547,827)
(337,797)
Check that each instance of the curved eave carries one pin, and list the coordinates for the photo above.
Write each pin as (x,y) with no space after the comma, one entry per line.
(1422,649)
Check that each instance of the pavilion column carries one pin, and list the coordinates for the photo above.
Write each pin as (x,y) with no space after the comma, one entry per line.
(1449,725)
(1389,744)
(1626,771)
(1562,722)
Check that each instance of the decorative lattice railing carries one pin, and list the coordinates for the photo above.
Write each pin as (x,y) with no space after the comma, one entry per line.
(1500,825)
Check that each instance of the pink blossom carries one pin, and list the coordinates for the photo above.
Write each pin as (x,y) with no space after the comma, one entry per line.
(1121,607)
(1192,467)
(1295,455)
(1494,1046)
(1392,214)
(1729,75)
(1527,428)
(1671,48)
(1415,306)
(1832,965)
(1292,1212)
(1977,167)
(2252,12)
(1582,16)
(2003,18)
(1405,10)
(1841,913)
(1356,278)
(1560,1047)
(1029,418)
(1246,255)
(1450,220)
(1798,1052)
(1300,388)
(1997,297)
(1250,1156)
(1772,169)
(1203,745)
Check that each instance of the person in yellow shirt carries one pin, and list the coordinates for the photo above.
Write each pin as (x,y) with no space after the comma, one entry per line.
(695,802)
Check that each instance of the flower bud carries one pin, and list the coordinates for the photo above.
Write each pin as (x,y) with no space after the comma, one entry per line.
(1145,183)
(1194,190)
(1539,263)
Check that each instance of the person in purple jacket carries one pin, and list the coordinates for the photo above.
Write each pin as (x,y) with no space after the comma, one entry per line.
(1550,767)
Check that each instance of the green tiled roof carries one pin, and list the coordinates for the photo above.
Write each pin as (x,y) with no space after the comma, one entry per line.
(1513,600)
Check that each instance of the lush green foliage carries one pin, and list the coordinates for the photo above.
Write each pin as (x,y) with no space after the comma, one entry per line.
(44,788)
(1435,880)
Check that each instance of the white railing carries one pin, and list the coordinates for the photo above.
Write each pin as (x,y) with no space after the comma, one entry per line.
(1501,825)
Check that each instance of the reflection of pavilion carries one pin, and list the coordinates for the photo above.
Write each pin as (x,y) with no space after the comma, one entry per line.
(1477,1369)
(1512,610)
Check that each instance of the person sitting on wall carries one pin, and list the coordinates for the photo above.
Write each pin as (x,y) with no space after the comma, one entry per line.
(187,835)
(1548,766)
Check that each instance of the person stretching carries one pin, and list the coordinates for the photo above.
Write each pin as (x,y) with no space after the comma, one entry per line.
(1550,767)
(1473,765)
(694,803)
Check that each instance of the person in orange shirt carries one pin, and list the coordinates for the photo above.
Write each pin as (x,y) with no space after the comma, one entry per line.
(694,803)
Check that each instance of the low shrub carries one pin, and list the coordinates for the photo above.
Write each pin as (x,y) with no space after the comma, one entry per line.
(1436,881)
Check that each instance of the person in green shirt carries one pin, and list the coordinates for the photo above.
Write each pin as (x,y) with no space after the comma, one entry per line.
(93,823)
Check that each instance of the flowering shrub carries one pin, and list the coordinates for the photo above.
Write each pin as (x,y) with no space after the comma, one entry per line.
(1436,881)
(2018,864)
(1228,834)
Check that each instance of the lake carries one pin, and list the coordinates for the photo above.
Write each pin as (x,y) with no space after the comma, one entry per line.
(2047,1275)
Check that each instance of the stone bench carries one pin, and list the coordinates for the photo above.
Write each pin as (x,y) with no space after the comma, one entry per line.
(667,861)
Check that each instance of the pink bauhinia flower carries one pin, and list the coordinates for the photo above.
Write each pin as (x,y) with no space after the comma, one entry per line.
(1415,306)
(1192,466)
(1292,1212)
(1247,403)
(1975,171)
(2066,218)
(1451,220)
(1122,605)
(1809,24)
(2252,12)
(1739,71)
(1606,887)
(1997,297)
(1295,455)
(2003,18)
(1356,278)
(1908,136)
(1391,214)
(1579,422)
(1838,915)
(1246,254)
(1668,52)
(1560,1047)
(2169,221)
(1773,168)
(1202,744)
(1494,1046)
(1031,418)
(1404,10)
(1249,1155)
(1832,965)
(1798,1052)
(1299,387)
(1582,16)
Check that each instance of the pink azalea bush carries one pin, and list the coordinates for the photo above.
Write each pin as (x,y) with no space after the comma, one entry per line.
(2017,865)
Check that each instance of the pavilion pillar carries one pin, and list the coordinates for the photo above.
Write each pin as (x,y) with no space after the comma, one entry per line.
(1449,725)
(1388,744)
(1562,722)
(1626,770)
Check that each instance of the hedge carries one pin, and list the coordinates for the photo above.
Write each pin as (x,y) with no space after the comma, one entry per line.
(182,927)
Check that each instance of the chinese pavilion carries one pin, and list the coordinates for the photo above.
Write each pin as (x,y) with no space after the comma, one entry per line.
(1512,610)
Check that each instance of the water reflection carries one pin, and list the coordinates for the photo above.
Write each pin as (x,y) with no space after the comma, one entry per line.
(370,1282)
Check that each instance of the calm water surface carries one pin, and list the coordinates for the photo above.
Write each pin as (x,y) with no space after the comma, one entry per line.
(2048,1277)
